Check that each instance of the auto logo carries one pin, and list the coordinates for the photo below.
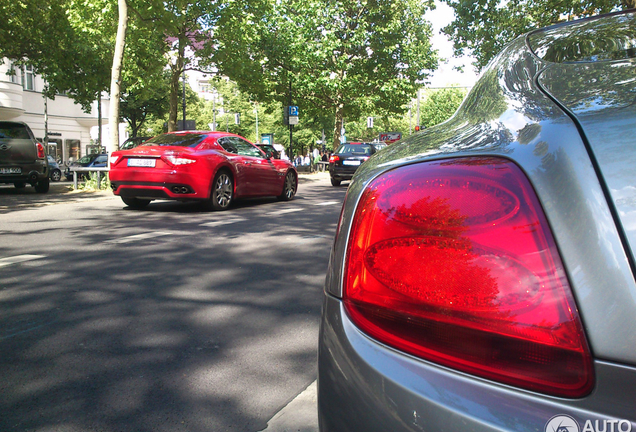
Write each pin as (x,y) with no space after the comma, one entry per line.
(5,147)
(562,423)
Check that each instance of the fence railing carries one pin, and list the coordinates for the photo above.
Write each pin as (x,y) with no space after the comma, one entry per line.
(98,170)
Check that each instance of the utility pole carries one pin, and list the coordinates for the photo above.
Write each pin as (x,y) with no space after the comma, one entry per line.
(214,110)
(256,113)
(418,107)
(291,127)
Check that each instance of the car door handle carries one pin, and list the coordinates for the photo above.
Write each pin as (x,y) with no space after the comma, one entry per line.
(247,162)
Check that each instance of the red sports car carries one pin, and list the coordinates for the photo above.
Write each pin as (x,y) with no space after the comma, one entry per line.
(216,167)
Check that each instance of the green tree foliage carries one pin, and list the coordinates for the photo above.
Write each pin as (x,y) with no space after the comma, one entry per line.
(484,27)
(440,105)
(334,54)
(54,39)
(184,26)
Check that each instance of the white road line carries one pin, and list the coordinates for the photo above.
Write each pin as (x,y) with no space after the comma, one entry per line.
(326,203)
(137,237)
(284,211)
(222,222)
(18,259)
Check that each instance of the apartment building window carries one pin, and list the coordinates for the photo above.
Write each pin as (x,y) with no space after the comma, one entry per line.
(29,78)
(14,77)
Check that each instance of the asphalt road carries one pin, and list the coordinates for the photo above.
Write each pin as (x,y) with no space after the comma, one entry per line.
(172,318)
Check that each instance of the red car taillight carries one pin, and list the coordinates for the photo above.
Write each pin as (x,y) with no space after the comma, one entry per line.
(40,147)
(453,261)
(334,159)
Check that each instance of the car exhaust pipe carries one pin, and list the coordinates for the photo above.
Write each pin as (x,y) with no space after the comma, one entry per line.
(180,189)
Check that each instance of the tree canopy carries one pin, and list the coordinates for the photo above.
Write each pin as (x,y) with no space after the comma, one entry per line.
(483,27)
(333,54)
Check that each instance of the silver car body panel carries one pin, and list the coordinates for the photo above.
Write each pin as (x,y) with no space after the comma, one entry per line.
(509,115)
(386,390)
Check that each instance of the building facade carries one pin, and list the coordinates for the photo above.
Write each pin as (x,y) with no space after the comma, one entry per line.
(72,133)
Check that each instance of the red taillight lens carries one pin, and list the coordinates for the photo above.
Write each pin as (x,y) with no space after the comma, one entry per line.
(334,159)
(41,154)
(453,261)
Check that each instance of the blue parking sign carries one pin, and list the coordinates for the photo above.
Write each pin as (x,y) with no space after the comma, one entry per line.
(293,111)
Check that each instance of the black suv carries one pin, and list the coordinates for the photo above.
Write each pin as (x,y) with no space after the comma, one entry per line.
(22,158)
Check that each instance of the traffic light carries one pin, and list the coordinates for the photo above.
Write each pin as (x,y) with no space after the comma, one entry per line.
(417,128)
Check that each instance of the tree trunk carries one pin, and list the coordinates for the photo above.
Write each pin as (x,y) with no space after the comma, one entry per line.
(338,126)
(176,70)
(115,76)
(628,4)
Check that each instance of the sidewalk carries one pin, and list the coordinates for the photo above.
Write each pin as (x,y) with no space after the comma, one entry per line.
(11,198)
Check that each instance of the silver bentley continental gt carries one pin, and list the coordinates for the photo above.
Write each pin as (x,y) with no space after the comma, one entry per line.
(483,276)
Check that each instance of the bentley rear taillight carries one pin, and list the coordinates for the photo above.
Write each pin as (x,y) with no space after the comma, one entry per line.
(334,159)
(453,261)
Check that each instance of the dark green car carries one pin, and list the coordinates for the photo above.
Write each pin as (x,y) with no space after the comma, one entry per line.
(22,158)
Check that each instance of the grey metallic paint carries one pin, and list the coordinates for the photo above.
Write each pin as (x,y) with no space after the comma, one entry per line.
(364,385)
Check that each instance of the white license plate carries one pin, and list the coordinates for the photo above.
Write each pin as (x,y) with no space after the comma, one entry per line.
(348,162)
(11,170)
(141,162)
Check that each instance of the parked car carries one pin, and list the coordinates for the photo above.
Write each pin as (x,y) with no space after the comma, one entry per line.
(211,167)
(95,160)
(347,159)
(22,158)
(55,173)
(133,142)
(483,275)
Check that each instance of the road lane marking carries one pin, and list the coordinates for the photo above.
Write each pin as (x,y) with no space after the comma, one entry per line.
(18,259)
(222,222)
(137,237)
(326,203)
(284,211)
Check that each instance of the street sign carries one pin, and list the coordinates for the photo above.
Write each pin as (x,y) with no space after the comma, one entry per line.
(267,138)
(293,112)
(237,118)
(293,120)
(370,122)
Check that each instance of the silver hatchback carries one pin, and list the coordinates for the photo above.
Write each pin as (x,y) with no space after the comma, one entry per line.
(482,275)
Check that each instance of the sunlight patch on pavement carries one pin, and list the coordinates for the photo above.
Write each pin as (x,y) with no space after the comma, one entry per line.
(326,203)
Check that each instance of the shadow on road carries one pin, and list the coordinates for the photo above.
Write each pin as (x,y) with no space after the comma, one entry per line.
(201,330)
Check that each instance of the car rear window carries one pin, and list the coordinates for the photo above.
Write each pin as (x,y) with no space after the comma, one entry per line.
(613,38)
(364,149)
(13,131)
(179,140)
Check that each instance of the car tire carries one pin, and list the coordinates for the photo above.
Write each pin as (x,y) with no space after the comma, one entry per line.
(42,186)
(19,185)
(289,187)
(335,182)
(222,191)
(56,175)
(135,203)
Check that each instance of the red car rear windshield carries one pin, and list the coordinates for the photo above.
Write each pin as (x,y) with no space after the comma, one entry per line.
(180,140)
